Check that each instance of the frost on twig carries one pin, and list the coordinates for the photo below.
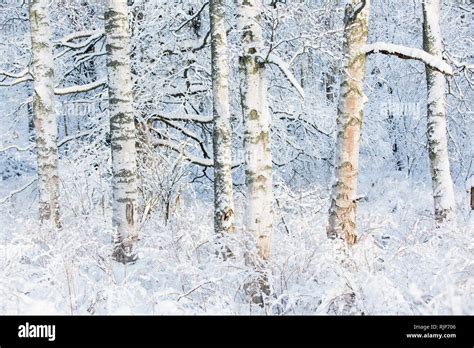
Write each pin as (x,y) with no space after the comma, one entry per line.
(285,69)
(21,189)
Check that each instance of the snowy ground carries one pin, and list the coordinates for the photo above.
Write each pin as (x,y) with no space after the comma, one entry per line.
(401,265)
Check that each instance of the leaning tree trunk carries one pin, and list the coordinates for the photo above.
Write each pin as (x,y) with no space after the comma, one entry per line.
(223,200)
(342,213)
(259,213)
(442,183)
(122,129)
(45,117)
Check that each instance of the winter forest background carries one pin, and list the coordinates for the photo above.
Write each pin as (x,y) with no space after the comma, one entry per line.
(228,209)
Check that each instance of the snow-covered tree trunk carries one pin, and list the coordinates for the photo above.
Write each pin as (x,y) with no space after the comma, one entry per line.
(45,117)
(443,192)
(122,129)
(258,158)
(342,213)
(223,198)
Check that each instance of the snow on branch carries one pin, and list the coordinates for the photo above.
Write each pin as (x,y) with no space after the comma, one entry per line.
(11,194)
(16,147)
(190,19)
(16,81)
(60,90)
(73,137)
(461,65)
(61,142)
(436,63)
(285,69)
(182,117)
(205,162)
(80,88)
(22,76)
(91,35)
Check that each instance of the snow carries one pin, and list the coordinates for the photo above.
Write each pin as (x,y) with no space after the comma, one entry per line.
(418,270)
(257,145)
(16,147)
(285,69)
(80,88)
(403,261)
(409,53)
(184,117)
(90,34)
(179,148)
(16,81)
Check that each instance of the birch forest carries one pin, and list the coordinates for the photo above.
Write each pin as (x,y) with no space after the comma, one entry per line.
(263,157)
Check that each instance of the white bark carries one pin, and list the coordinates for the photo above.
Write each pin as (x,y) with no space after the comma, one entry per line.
(258,158)
(223,198)
(122,129)
(443,192)
(45,118)
(342,213)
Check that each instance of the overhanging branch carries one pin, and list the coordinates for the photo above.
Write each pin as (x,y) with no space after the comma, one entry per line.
(80,88)
(403,52)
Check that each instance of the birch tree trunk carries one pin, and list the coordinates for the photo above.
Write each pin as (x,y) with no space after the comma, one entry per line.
(223,198)
(45,117)
(342,213)
(258,158)
(122,129)
(442,183)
